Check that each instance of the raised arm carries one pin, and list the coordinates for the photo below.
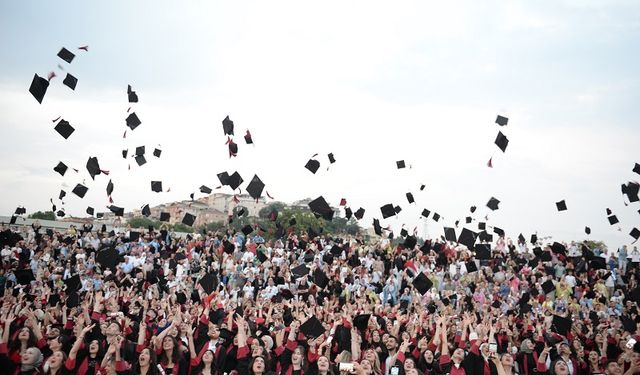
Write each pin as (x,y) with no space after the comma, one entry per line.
(78,343)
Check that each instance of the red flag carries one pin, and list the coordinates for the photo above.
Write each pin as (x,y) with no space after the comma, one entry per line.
(84,48)
(490,163)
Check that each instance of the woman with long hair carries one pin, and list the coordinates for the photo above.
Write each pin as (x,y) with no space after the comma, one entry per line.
(55,364)
(90,357)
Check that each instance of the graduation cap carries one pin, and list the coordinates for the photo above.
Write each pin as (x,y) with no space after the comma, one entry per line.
(467,238)
(240,212)
(156,186)
(397,209)
(548,287)
(450,234)
(435,216)
(133,121)
(247,229)
(598,263)
(73,300)
(534,238)
(61,168)
(425,213)
(60,213)
(484,236)
(312,165)
(70,81)
(224,178)
(348,213)
(132,96)
(109,188)
(628,324)
(64,129)
(493,204)
(483,251)
(24,277)
(587,230)
(157,152)
(118,211)
(188,219)
(140,150)
(387,210)
(403,232)
(613,219)
(472,209)
(255,187)
(561,206)
(80,190)
(234,181)
(312,328)
(233,148)
(62,194)
(93,167)
(261,256)
(164,216)
(410,242)
(89,211)
(66,55)
(72,283)
(205,189)
(521,238)
(124,153)
(561,325)
(631,190)
(292,221)
(359,214)
(558,248)
(376,227)
(502,141)
(141,160)
(300,271)
(320,278)
(471,266)
(635,233)
(498,231)
(227,126)
(228,247)
(410,198)
(146,211)
(422,283)
(361,321)
(320,208)
(108,258)
(502,121)
(636,168)
(332,159)
(38,87)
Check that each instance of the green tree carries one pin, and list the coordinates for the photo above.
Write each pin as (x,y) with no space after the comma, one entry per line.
(179,227)
(265,211)
(143,222)
(46,215)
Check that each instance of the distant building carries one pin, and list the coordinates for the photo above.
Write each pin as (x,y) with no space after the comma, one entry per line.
(226,203)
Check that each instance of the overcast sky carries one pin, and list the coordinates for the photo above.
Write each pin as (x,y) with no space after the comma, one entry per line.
(373,82)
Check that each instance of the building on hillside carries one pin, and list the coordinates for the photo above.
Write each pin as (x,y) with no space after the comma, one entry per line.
(226,203)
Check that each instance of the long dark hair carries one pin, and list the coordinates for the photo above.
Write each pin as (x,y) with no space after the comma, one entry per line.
(153,364)
(31,341)
(200,367)
(175,352)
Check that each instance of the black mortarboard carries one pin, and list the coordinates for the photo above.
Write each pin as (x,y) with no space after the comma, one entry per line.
(467,238)
(320,278)
(292,221)
(93,167)
(376,227)
(261,256)
(502,121)
(146,211)
(534,238)
(286,294)
(587,230)
(521,238)
(320,208)
(403,232)
(598,263)
(141,160)
(561,206)
(300,270)
(471,266)
(635,233)
(228,247)
(502,141)
(493,204)
(548,287)
(425,213)
(62,194)
(66,55)
(410,198)
(348,213)
(233,148)
(188,219)
(70,81)
(312,165)
(361,321)
(140,150)
(132,96)
(498,231)
(205,190)
(631,190)
(124,153)
(387,210)
(80,190)
(109,188)
(482,225)
(118,211)
(72,283)
(89,210)
(410,242)
(435,216)
(255,187)
(400,164)
(24,277)
(450,234)
(561,325)
(64,129)
(156,186)
(247,229)
(636,168)
(422,283)
(628,324)
(397,209)
(247,137)
(73,300)
(484,236)
(422,187)
(157,152)
(312,328)
(472,209)
(165,216)
(359,214)
(558,248)
(224,178)
(100,215)
(483,251)
(332,159)
(61,168)
(108,258)
(133,121)
(38,87)
(60,213)
(234,181)
(613,219)
(227,126)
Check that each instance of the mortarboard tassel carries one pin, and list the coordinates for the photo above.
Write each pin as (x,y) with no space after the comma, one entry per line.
(51,75)
(58,118)
(128,109)
(269,195)
(60,67)
(104,172)
(235,199)
(110,200)
(490,162)
(125,134)
(84,48)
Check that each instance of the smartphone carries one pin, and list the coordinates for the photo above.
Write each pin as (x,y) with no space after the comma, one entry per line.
(395,370)
(631,343)
(493,347)
(347,367)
